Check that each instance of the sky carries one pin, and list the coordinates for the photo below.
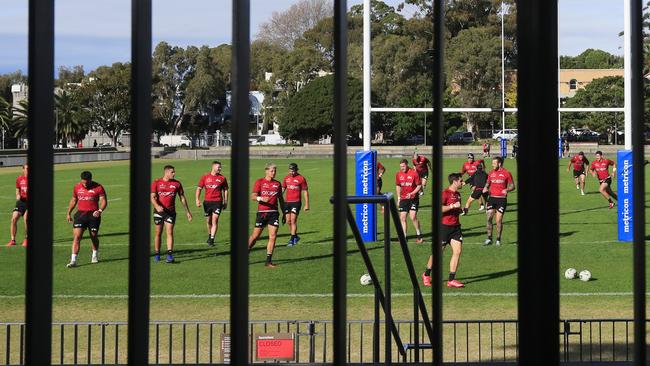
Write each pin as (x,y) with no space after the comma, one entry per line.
(97,32)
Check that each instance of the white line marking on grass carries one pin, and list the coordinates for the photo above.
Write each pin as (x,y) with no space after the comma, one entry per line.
(226,296)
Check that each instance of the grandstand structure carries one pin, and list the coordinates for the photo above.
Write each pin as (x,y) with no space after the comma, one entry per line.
(538,261)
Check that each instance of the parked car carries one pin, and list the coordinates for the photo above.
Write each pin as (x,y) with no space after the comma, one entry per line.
(461,138)
(507,134)
(415,140)
(175,141)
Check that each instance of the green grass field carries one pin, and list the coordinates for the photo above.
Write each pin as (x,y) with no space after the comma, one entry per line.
(299,288)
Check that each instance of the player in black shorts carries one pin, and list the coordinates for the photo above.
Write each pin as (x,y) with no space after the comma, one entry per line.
(21,207)
(451,232)
(477,183)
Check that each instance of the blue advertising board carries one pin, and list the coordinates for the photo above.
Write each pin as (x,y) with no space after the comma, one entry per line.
(504,148)
(625,201)
(366,185)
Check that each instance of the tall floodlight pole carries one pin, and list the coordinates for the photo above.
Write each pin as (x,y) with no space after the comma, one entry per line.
(627,60)
(366,75)
(503,72)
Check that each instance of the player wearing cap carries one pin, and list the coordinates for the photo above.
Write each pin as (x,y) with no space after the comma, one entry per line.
(293,185)
(451,232)
(600,169)
(477,182)
(470,167)
(163,198)
(499,184)
(408,187)
(216,198)
(578,162)
(21,207)
(268,193)
(422,165)
(90,199)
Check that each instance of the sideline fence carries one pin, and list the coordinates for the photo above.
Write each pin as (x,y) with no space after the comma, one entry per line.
(199,342)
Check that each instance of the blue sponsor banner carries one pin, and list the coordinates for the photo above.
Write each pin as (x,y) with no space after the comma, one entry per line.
(625,201)
(560,148)
(504,148)
(366,185)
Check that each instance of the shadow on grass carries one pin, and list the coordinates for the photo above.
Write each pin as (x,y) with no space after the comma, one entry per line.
(489,276)
(314,257)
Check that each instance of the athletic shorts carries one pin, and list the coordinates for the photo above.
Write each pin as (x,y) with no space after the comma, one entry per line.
(165,216)
(406,205)
(607,180)
(86,220)
(478,193)
(379,184)
(212,207)
(449,233)
(424,175)
(497,203)
(292,207)
(267,218)
(21,207)
(578,173)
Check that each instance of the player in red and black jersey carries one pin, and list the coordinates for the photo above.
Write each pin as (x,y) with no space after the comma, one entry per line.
(470,167)
(499,184)
(421,165)
(216,198)
(268,193)
(451,232)
(163,199)
(21,207)
(293,185)
(380,172)
(600,169)
(579,162)
(408,187)
(90,199)
(486,150)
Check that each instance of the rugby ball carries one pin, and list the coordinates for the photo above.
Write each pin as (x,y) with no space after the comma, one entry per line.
(585,275)
(365,280)
(570,273)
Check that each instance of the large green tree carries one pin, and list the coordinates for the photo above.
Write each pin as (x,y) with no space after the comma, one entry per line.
(603,92)
(310,112)
(592,59)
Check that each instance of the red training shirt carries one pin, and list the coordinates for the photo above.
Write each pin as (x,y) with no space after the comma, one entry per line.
(578,163)
(214,186)
(408,182)
(294,186)
(166,192)
(451,217)
(380,167)
(267,188)
(21,185)
(88,198)
(420,164)
(470,168)
(499,181)
(602,168)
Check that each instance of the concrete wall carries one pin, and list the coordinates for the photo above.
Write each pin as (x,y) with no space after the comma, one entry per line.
(68,157)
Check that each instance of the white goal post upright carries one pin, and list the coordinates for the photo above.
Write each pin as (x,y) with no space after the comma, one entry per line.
(627,62)
(367,74)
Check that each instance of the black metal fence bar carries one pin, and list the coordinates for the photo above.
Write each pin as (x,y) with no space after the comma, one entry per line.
(139,229)
(538,305)
(340,180)
(240,187)
(638,178)
(38,289)
(436,179)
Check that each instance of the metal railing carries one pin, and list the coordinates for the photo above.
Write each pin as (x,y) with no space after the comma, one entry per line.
(199,342)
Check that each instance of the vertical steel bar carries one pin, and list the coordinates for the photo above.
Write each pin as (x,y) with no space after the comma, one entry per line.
(211,344)
(537,65)
(240,174)
(139,180)
(157,343)
(62,344)
(184,341)
(22,344)
(76,343)
(170,344)
(117,344)
(436,179)
(38,288)
(8,344)
(103,344)
(416,327)
(387,290)
(638,178)
(340,179)
(89,344)
(196,340)
(375,330)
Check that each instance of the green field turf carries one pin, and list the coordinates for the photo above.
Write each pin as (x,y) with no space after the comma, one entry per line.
(299,287)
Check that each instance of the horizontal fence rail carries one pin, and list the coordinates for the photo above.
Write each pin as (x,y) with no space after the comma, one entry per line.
(200,342)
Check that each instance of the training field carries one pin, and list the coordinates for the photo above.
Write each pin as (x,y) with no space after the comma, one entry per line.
(196,287)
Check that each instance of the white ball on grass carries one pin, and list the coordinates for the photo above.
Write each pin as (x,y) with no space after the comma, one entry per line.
(365,279)
(570,273)
(585,275)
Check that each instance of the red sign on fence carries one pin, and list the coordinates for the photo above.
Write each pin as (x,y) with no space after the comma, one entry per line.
(275,346)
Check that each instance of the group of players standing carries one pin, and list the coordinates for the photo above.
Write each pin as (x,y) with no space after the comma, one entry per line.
(90,199)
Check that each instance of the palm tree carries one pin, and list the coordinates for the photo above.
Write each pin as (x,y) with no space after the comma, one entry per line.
(69,125)
(20,119)
(5,114)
